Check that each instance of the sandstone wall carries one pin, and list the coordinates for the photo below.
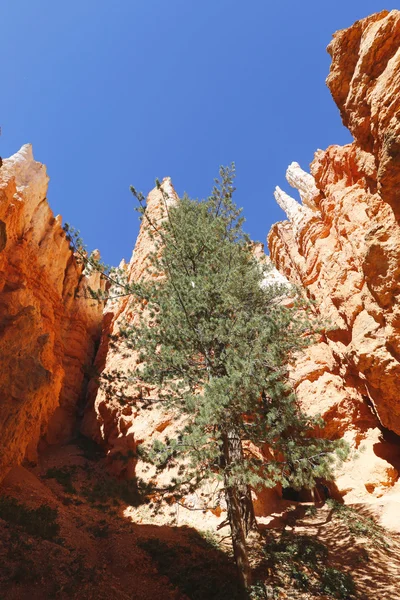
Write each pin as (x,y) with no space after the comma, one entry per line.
(115,415)
(48,331)
(342,243)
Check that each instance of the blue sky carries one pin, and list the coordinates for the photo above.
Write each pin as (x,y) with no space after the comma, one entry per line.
(118,93)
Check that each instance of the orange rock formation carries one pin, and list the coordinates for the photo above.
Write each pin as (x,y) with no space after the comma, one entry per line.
(47,329)
(113,416)
(343,245)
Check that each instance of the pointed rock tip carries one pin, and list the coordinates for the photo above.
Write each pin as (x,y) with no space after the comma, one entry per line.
(24,153)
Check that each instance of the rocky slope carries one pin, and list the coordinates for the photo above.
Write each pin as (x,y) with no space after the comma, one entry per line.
(342,243)
(92,544)
(48,330)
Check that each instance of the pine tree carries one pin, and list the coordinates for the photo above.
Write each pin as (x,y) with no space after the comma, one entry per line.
(219,345)
(217,341)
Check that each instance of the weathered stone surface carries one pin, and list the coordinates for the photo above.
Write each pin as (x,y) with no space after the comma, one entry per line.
(341,244)
(345,252)
(115,416)
(47,329)
(365,81)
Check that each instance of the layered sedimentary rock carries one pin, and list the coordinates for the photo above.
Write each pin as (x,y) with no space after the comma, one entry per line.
(342,244)
(48,329)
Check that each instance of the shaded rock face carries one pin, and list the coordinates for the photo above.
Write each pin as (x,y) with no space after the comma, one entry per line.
(47,329)
(343,245)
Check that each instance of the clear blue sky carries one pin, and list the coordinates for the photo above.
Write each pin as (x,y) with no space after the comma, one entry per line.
(118,93)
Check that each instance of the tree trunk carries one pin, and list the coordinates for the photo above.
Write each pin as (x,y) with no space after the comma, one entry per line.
(240,507)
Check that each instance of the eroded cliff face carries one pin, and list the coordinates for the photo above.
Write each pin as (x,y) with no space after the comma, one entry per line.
(342,243)
(117,414)
(48,329)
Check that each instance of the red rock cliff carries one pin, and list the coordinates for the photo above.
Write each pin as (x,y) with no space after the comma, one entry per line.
(343,245)
(115,416)
(47,329)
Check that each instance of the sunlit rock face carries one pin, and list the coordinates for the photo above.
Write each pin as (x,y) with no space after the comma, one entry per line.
(47,328)
(332,245)
(342,243)
(115,415)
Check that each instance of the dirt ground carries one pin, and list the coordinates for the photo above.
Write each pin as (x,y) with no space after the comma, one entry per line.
(95,546)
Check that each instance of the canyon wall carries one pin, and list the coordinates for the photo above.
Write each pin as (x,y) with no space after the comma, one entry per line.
(118,415)
(48,329)
(342,244)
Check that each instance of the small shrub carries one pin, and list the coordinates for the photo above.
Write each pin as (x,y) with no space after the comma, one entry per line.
(40,522)
(304,562)
(337,584)
(311,511)
(262,591)
(301,579)
(292,547)
(358,524)
(63,476)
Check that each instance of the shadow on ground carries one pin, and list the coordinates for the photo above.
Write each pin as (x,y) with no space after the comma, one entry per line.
(332,548)
(85,545)
(89,545)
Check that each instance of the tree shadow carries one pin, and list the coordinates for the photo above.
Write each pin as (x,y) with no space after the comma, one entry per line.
(193,563)
(101,552)
(345,539)
(107,552)
(373,556)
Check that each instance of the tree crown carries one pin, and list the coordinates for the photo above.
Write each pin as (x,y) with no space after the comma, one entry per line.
(217,340)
